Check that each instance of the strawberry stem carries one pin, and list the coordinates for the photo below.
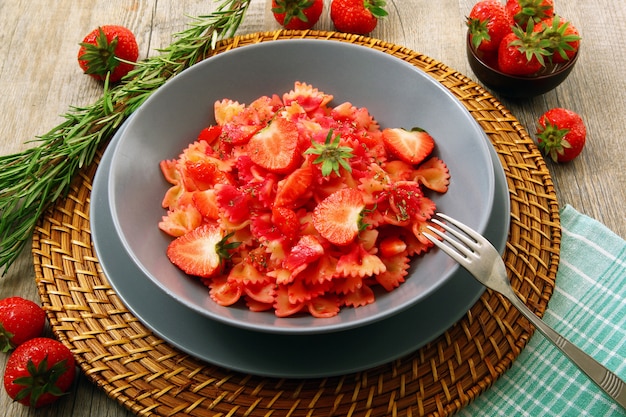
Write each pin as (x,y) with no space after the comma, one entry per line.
(331,155)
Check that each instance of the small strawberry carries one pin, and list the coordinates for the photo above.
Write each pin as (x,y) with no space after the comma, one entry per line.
(20,320)
(108,49)
(200,252)
(297,14)
(563,38)
(357,16)
(410,146)
(488,23)
(525,11)
(337,218)
(561,135)
(275,147)
(522,52)
(39,371)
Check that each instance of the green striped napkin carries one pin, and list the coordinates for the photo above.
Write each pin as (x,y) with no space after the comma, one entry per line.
(589,308)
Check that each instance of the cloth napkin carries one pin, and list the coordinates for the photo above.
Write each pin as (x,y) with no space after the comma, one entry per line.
(589,308)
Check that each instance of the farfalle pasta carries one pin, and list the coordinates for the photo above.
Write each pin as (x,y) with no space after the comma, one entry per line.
(292,205)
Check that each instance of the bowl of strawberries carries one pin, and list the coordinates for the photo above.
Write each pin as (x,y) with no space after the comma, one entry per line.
(521,48)
(271,191)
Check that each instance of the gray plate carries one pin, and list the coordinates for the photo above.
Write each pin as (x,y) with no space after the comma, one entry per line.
(280,355)
(395,92)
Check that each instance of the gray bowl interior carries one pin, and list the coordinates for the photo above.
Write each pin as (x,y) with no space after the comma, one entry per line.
(395,92)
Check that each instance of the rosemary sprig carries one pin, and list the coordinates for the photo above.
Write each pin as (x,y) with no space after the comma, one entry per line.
(31,180)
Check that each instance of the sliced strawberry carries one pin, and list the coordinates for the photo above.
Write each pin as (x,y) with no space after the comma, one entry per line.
(295,187)
(210,134)
(410,146)
(205,174)
(196,252)
(307,250)
(275,147)
(238,134)
(287,222)
(206,203)
(337,217)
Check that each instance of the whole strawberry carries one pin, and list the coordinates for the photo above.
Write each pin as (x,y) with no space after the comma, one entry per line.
(357,16)
(522,52)
(297,14)
(20,320)
(488,22)
(108,48)
(561,134)
(39,371)
(563,38)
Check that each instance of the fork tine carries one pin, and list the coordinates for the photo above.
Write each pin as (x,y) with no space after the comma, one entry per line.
(466,229)
(461,235)
(455,253)
(456,245)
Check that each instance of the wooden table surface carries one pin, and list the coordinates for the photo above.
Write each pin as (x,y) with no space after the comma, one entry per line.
(40,80)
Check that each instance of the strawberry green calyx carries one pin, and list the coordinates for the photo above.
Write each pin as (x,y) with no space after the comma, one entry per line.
(224,247)
(41,380)
(331,155)
(552,141)
(532,11)
(293,9)
(479,30)
(532,44)
(101,56)
(376,7)
(559,38)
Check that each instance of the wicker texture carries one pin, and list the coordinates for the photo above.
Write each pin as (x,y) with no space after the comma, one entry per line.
(150,377)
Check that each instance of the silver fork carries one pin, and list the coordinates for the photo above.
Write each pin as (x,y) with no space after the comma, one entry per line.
(473,252)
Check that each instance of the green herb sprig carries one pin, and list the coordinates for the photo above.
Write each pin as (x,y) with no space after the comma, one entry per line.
(31,180)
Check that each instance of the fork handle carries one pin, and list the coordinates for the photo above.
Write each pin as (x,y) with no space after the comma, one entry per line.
(610,383)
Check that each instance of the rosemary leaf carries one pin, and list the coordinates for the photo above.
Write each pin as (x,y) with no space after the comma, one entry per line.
(31,180)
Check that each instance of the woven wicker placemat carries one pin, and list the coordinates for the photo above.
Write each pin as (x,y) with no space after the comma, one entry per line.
(150,377)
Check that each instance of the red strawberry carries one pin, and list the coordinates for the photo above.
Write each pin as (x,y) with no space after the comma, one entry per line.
(199,252)
(337,217)
(275,147)
(522,53)
(561,135)
(357,16)
(104,49)
(524,11)
(297,14)
(410,146)
(39,371)
(488,23)
(563,38)
(287,221)
(295,187)
(20,320)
